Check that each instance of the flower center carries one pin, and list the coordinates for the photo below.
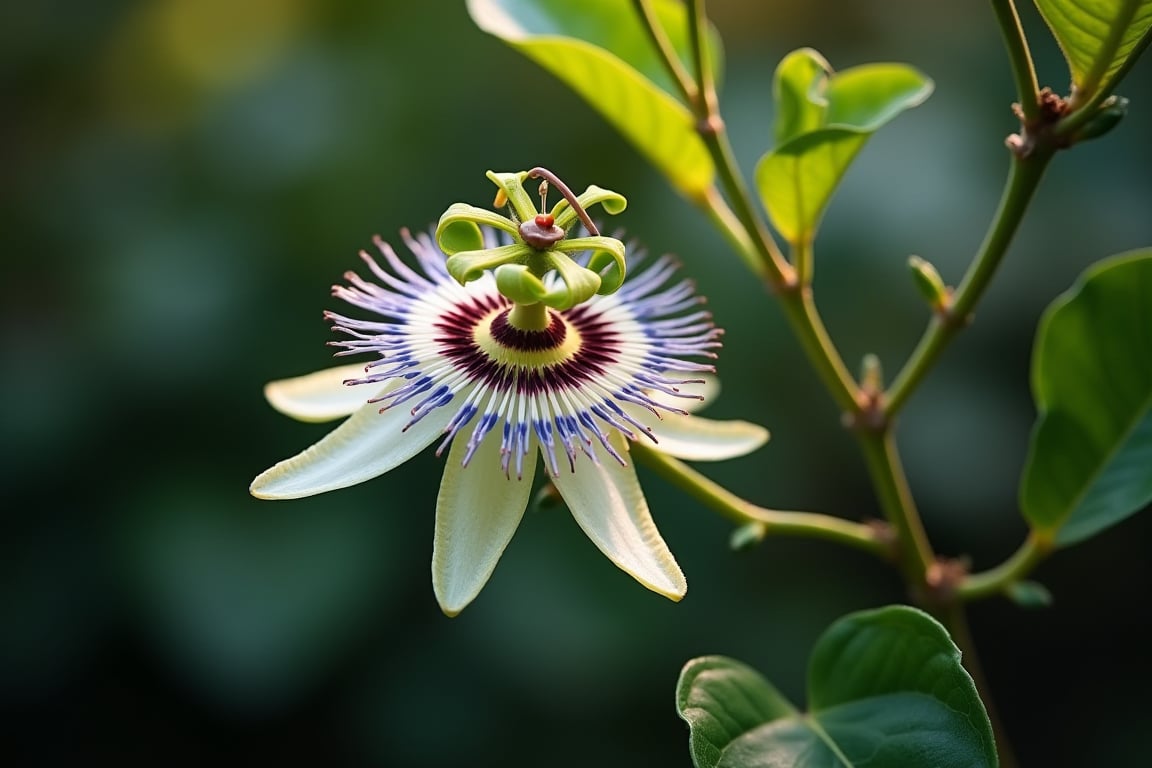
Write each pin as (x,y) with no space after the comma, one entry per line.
(508,345)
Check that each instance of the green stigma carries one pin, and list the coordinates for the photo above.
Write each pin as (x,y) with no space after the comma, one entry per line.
(540,243)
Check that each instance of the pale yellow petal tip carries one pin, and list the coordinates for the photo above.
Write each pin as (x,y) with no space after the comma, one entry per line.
(259,486)
(319,396)
(451,608)
(764,437)
(674,586)
(675,593)
(265,486)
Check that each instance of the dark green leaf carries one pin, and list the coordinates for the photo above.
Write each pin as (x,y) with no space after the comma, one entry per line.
(1097,37)
(886,688)
(823,119)
(1090,461)
(601,51)
(722,699)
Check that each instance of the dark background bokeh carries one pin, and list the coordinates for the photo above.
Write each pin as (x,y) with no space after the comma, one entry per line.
(183,181)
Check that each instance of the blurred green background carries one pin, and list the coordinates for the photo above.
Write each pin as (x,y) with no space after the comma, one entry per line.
(184,180)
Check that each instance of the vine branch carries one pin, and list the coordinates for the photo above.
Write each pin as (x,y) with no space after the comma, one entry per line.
(1023,70)
(1023,179)
(997,580)
(869,538)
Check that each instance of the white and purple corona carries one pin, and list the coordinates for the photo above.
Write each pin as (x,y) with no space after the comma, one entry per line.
(495,347)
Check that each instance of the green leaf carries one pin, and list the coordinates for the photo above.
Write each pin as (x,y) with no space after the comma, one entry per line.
(823,120)
(797,179)
(1097,37)
(797,89)
(1090,461)
(601,51)
(864,98)
(885,688)
(722,699)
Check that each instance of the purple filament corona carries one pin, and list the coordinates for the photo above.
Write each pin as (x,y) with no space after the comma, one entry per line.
(424,327)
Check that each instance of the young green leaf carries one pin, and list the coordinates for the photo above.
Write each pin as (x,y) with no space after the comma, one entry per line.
(823,120)
(798,90)
(601,51)
(885,687)
(1090,461)
(1098,37)
(796,180)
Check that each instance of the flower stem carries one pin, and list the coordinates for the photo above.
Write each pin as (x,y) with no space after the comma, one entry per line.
(1023,179)
(869,538)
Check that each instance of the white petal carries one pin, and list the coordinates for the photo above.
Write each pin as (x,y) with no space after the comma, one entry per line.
(368,444)
(609,505)
(321,396)
(708,391)
(697,439)
(477,512)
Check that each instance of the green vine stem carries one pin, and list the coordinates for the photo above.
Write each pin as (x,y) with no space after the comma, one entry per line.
(718,210)
(1023,179)
(997,580)
(800,308)
(870,538)
(1023,70)
(796,298)
(870,413)
(688,88)
(712,131)
(803,259)
(887,473)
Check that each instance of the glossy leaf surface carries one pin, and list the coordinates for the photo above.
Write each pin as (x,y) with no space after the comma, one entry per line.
(1097,37)
(600,49)
(1090,461)
(885,687)
(823,119)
